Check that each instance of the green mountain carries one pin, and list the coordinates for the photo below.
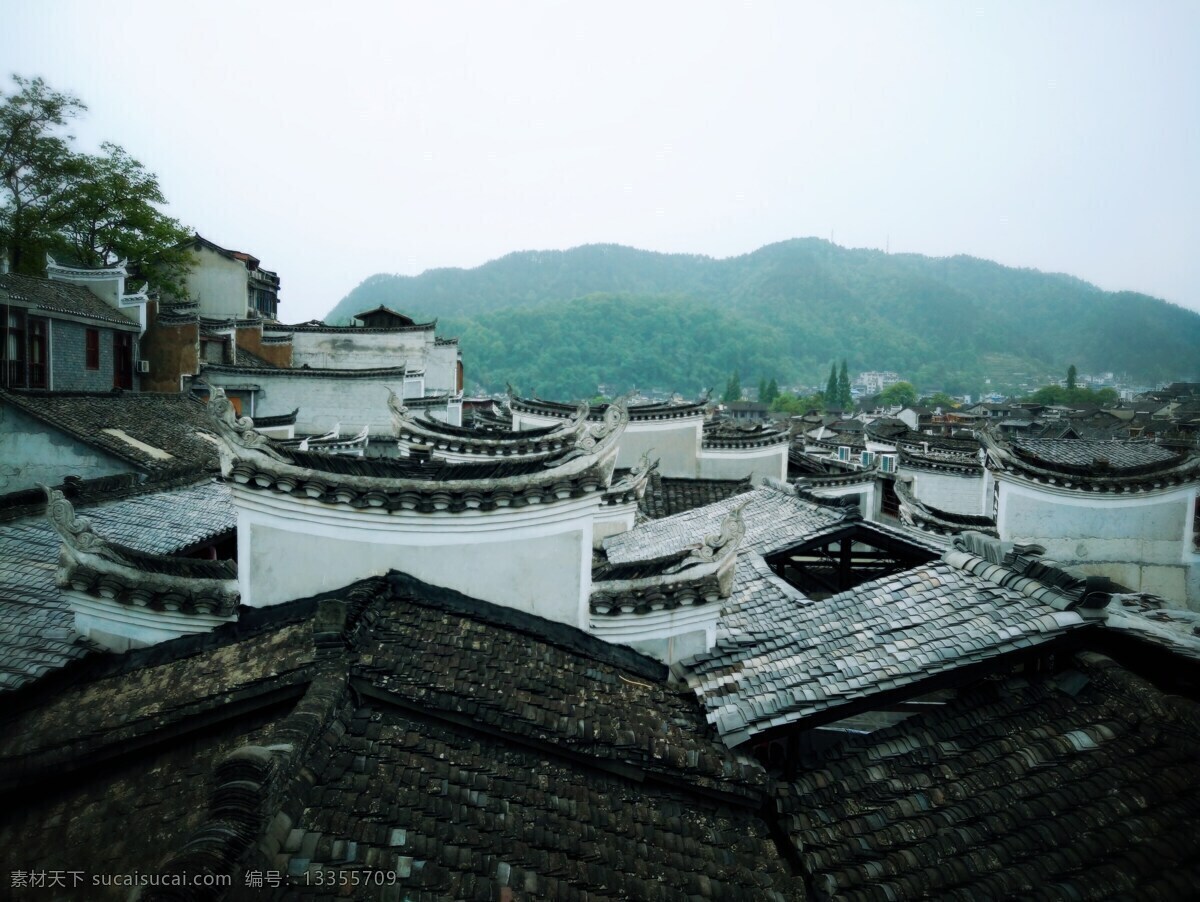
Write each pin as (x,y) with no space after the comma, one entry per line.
(562,322)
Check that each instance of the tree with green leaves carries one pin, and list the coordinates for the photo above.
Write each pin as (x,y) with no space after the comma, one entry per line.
(795,405)
(845,399)
(88,209)
(898,394)
(832,397)
(733,389)
(36,165)
(1072,377)
(772,391)
(939,399)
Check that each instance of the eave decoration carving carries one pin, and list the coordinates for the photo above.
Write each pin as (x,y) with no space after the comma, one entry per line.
(704,575)
(516,443)
(249,460)
(90,564)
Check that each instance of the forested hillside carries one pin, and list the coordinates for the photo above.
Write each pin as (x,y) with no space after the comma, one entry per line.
(561,322)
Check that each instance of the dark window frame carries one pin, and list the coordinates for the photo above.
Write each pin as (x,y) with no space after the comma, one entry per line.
(13,349)
(91,349)
(122,360)
(37,351)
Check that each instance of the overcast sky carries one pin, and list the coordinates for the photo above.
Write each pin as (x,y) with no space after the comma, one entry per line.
(338,141)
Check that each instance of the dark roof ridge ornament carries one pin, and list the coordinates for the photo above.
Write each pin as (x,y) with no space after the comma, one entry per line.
(400,413)
(616,418)
(718,545)
(237,430)
(75,531)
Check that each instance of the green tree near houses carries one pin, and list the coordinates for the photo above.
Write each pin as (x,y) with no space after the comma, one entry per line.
(1072,378)
(733,389)
(772,391)
(89,209)
(832,397)
(845,399)
(898,394)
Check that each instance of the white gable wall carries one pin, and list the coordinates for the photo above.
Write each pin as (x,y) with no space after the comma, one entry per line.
(1141,540)
(536,559)
(218,284)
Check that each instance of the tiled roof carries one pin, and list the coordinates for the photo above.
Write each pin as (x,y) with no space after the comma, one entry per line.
(725,434)
(1151,620)
(412,484)
(438,659)
(667,496)
(781,657)
(917,514)
(166,522)
(169,423)
(318,326)
(37,630)
(1115,456)
(458,748)
(52,296)
(36,626)
(637,413)
(1035,787)
(775,519)
(474,817)
(1081,464)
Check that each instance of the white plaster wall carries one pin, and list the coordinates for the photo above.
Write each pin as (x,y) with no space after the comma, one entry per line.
(954,494)
(530,421)
(32,452)
(361,350)
(757,463)
(218,284)
(536,559)
(1138,540)
(668,636)
(613,519)
(323,402)
(441,369)
(864,492)
(674,443)
(119,627)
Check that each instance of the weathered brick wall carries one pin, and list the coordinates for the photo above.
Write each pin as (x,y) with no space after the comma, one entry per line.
(250,338)
(68,358)
(171,350)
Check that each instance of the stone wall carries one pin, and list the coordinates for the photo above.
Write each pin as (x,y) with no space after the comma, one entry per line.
(346,349)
